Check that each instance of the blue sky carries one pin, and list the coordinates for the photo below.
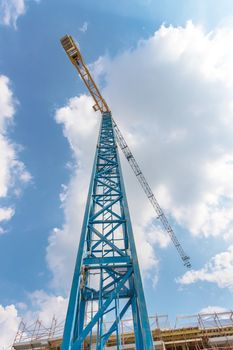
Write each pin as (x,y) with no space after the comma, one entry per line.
(171,91)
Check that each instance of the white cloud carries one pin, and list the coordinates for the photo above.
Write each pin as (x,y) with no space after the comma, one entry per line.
(46,306)
(7,102)
(218,270)
(11,10)
(9,322)
(13,172)
(41,306)
(7,162)
(157,235)
(84,27)
(80,124)
(212,309)
(173,93)
(21,306)
(6,214)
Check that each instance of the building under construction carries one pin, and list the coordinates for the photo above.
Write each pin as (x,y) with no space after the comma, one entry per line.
(107,307)
(202,331)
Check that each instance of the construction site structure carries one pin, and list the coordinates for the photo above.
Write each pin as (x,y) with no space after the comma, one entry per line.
(197,332)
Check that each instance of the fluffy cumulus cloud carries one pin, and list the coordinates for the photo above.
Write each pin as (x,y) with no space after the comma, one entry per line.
(9,322)
(11,10)
(45,306)
(174,92)
(79,124)
(218,270)
(42,307)
(172,98)
(12,171)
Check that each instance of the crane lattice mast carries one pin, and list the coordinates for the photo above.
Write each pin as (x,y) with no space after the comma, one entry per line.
(106,283)
(76,58)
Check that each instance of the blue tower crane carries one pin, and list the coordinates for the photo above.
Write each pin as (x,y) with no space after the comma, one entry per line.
(107,283)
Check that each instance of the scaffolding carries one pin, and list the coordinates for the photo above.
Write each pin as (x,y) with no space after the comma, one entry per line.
(197,332)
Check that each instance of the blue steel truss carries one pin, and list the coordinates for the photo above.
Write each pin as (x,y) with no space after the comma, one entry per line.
(107,282)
